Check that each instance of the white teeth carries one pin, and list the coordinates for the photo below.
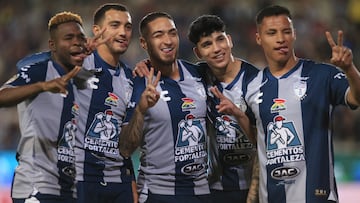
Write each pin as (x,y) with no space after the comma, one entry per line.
(167,49)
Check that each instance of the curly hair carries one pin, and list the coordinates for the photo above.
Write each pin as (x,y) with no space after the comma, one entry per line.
(63,17)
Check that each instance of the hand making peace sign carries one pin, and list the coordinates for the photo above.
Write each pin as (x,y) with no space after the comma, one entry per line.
(150,95)
(342,56)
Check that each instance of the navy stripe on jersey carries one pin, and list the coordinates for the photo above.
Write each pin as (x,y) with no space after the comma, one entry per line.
(43,147)
(294,139)
(172,161)
(102,111)
(231,153)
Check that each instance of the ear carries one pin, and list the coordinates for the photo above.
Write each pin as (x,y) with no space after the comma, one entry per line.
(143,43)
(96,29)
(197,53)
(230,41)
(258,39)
(52,45)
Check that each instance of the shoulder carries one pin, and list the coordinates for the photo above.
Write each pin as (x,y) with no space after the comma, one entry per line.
(33,59)
(194,69)
(320,68)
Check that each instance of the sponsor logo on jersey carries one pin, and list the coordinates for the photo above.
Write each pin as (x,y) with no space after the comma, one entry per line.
(193,168)
(103,133)
(191,144)
(112,99)
(279,105)
(236,158)
(285,172)
(283,144)
(75,109)
(188,104)
(66,155)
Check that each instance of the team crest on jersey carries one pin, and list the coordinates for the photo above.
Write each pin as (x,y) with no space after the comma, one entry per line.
(112,99)
(188,104)
(279,105)
(103,133)
(283,143)
(300,89)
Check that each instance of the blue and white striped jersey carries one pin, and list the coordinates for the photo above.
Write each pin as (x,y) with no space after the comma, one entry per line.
(101,110)
(231,154)
(45,152)
(173,154)
(293,115)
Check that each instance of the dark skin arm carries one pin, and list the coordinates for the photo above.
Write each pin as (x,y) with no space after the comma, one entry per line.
(12,96)
(132,134)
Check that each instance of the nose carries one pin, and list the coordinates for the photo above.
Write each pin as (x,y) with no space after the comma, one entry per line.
(280,37)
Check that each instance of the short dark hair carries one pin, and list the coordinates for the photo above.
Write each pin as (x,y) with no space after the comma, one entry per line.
(204,26)
(272,10)
(149,18)
(99,13)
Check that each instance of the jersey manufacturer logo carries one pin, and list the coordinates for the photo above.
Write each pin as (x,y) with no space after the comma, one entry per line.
(279,105)
(164,96)
(340,76)
(112,99)
(258,99)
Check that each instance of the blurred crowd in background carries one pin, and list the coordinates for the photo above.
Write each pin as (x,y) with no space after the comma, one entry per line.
(23,31)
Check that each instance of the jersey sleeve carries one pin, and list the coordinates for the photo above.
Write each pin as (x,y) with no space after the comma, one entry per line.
(338,86)
(33,59)
(29,75)
(138,88)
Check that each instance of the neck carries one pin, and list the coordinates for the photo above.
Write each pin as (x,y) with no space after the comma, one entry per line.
(108,57)
(167,70)
(279,68)
(228,73)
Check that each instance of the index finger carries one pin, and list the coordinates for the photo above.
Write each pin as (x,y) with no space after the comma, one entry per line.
(71,74)
(330,39)
(217,92)
(340,38)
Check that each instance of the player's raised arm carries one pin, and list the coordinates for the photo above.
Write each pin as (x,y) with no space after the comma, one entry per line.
(10,96)
(132,134)
(342,57)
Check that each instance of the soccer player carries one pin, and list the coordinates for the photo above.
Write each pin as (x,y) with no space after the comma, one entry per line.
(44,96)
(293,98)
(168,122)
(102,174)
(231,153)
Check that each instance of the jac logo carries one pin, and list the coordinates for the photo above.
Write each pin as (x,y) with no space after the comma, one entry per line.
(236,159)
(284,172)
(192,168)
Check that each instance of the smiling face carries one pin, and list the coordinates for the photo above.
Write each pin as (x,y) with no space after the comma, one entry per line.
(118,26)
(276,36)
(67,45)
(161,41)
(215,49)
